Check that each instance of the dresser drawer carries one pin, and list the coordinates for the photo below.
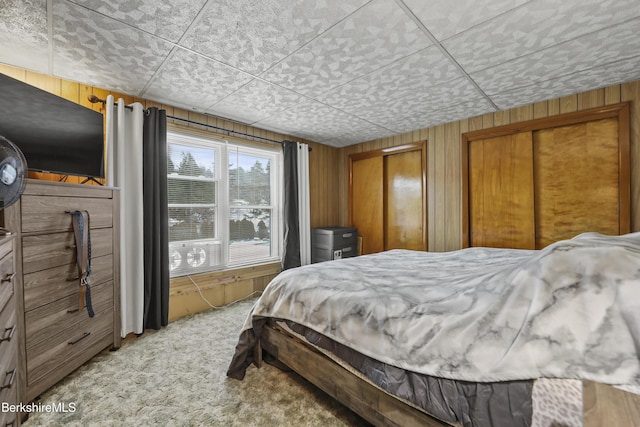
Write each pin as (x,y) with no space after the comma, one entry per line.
(51,213)
(8,327)
(43,287)
(45,321)
(60,249)
(9,376)
(6,279)
(8,354)
(62,350)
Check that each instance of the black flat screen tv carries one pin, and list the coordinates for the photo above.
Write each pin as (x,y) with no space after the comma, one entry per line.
(54,134)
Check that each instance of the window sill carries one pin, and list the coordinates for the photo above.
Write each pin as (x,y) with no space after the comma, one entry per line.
(185,284)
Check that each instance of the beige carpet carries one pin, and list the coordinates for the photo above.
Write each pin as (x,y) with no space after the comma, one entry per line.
(177,377)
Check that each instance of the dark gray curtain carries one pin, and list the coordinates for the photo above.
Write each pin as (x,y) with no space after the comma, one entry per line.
(156,233)
(291,253)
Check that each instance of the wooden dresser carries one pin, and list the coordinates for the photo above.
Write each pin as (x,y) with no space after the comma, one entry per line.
(9,332)
(56,337)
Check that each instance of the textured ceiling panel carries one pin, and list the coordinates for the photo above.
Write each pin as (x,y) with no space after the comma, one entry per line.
(385,113)
(252,35)
(371,38)
(192,79)
(168,19)
(93,49)
(313,118)
(404,78)
(447,18)
(534,26)
(592,78)
(23,30)
(615,44)
(433,114)
(371,133)
(332,71)
(256,101)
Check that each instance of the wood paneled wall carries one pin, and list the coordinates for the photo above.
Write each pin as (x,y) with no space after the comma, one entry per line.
(444,196)
(219,288)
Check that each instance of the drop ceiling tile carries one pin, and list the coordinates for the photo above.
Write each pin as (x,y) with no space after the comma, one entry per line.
(252,35)
(613,73)
(168,19)
(447,18)
(433,98)
(315,121)
(534,26)
(601,47)
(99,51)
(354,138)
(23,31)
(435,115)
(256,101)
(406,77)
(376,35)
(192,79)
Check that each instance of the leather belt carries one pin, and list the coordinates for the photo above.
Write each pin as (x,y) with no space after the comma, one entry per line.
(81,228)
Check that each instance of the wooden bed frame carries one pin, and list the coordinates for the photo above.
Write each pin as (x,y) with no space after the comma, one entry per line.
(602,404)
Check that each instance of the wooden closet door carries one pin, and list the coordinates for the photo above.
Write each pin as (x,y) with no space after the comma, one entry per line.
(367,199)
(576,180)
(501,195)
(404,201)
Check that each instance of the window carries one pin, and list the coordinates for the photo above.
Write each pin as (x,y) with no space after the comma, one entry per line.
(223,204)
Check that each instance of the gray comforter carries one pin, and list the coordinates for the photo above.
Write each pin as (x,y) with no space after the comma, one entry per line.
(571,310)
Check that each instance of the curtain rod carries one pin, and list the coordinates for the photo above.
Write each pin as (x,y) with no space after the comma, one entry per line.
(225,130)
(222,129)
(94,99)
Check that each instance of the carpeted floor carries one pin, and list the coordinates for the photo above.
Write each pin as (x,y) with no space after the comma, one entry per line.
(176,377)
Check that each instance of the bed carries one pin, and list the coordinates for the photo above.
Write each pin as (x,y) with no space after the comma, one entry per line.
(475,337)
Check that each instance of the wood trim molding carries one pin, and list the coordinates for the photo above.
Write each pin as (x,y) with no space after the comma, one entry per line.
(619,111)
(386,151)
(582,116)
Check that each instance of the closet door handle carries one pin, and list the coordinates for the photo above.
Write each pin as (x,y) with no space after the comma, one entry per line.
(12,376)
(77,340)
(8,334)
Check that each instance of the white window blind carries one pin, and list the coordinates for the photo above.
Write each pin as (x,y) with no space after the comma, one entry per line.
(250,216)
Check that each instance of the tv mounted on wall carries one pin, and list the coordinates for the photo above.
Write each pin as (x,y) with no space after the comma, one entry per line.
(55,135)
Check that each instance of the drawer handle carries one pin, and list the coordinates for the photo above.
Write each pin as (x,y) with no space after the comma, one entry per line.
(11,375)
(77,340)
(347,235)
(73,310)
(8,333)
(349,249)
(8,277)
